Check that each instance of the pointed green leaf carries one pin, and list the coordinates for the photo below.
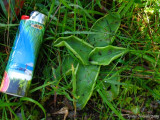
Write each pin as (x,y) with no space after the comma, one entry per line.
(86,77)
(110,83)
(105,55)
(78,47)
(105,27)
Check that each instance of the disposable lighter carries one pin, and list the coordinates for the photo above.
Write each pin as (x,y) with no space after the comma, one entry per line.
(21,64)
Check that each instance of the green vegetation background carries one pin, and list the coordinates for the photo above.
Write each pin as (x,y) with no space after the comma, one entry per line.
(139,79)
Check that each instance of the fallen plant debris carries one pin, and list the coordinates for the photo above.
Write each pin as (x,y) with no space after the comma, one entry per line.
(64,111)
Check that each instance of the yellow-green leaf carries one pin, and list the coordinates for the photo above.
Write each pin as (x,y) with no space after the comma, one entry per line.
(78,47)
(86,77)
(105,29)
(105,55)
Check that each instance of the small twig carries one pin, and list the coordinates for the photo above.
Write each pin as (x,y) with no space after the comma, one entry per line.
(8,49)
(55,98)
(126,111)
(75,110)
(157,59)
(53,16)
(55,94)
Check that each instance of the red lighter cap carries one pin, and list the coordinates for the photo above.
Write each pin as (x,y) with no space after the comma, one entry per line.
(24,17)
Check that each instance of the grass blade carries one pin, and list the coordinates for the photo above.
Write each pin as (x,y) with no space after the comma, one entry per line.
(51,9)
(35,102)
(110,105)
(126,8)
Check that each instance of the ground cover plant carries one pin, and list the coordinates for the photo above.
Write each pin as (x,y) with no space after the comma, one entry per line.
(99,60)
